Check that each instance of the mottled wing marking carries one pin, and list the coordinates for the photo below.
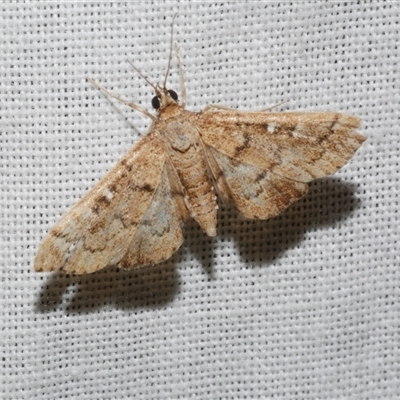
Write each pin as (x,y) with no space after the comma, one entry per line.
(99,229)
(297,146)
(160,232)
(257,193)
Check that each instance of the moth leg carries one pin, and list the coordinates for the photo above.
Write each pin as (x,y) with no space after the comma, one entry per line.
(114,96)
(181,75)
(274,106)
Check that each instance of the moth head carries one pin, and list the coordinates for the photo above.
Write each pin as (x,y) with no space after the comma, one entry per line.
(164,98)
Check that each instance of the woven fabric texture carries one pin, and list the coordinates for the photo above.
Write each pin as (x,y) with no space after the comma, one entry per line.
(302,306)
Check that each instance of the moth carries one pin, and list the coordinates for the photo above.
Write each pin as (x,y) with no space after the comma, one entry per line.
(261,161)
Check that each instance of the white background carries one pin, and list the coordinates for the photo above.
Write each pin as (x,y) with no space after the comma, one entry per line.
(302,306)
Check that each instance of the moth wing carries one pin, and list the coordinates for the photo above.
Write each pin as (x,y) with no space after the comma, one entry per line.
(160,232)
(100,229)
(266,159)
(298,146)
(256,193)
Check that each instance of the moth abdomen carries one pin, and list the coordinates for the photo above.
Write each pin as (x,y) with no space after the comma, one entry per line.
(193,175)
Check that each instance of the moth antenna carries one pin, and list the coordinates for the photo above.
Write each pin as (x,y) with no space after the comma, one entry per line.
(120,99)
(142,75)
(275,105)
(170,50)
(181,75)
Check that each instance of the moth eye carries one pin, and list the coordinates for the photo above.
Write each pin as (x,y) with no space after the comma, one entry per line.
(173,94)
(155,102)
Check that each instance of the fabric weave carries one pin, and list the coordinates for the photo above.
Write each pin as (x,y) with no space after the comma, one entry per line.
(301,306)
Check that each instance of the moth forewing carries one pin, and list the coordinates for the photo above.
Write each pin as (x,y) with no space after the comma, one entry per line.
(296,146)
(100,226)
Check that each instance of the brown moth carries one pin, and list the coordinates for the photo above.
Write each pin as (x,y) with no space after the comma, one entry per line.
(262,161)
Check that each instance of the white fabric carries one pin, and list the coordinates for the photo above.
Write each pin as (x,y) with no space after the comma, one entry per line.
(302,306)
